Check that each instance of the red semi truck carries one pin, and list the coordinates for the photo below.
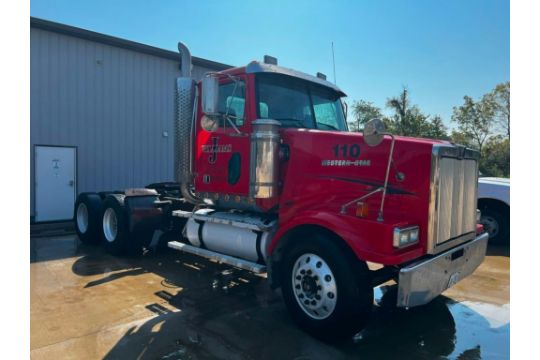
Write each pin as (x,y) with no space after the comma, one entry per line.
(269,179)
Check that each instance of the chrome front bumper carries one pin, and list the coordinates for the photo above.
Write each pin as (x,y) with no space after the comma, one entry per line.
(420,282)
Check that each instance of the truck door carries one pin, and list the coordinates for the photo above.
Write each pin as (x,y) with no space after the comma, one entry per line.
(221,160)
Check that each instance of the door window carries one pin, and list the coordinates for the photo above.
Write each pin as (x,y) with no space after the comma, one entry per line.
(231,103)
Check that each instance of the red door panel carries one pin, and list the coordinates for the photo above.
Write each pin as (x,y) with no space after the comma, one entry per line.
(221,160)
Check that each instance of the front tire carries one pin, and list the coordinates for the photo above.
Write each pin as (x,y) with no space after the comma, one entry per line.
(327,291)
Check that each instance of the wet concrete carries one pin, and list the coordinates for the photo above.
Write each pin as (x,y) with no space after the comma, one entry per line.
(86,304)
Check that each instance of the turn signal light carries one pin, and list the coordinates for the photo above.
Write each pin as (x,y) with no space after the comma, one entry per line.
(362,209)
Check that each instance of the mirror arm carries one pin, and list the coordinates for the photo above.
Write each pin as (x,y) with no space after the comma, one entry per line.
(346,205)
(232,124)
(390,155)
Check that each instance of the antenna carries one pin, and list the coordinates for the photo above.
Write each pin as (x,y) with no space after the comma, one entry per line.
(334,63)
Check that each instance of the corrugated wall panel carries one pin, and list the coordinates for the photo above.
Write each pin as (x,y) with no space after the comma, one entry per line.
(113,104)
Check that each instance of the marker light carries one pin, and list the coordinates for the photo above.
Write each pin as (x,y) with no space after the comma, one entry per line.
(362,209)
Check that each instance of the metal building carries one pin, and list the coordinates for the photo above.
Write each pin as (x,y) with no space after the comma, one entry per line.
(101,114)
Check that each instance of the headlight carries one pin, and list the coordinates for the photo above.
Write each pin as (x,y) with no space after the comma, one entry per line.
(405,237)
(478,215)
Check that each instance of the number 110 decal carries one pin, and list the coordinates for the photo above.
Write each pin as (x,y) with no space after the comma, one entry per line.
(347,150)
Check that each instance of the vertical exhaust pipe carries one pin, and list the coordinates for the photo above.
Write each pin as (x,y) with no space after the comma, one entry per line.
(185,58)
(186,100)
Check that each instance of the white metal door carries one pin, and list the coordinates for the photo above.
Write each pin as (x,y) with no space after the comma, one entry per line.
(55,180)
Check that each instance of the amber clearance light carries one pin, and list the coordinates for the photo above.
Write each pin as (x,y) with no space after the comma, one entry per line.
(362,209)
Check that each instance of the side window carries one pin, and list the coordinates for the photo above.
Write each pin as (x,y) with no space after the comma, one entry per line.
(231,104)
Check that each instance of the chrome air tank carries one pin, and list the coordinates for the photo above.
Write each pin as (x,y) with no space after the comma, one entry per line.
(236,234)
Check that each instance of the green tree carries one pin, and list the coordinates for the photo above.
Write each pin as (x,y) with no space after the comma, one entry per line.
(401,106)
(363,111)
(437,129)
(457,137)
(500,100)
(475,120)
(409,120)
(496,158)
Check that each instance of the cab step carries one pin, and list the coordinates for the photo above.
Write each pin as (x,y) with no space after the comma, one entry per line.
(220,258)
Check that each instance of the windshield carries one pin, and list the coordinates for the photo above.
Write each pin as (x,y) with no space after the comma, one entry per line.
(299,103)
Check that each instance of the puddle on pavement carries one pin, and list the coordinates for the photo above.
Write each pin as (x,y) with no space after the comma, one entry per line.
(441,329)
(233,314)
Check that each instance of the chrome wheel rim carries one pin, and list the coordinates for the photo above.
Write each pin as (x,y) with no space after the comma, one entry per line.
(110,225)
(82,218)
(490,225)
(314,286)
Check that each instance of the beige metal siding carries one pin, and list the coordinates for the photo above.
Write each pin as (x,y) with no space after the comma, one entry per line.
(113,104)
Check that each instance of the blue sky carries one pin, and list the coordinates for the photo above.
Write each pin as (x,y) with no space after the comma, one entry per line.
(440,50)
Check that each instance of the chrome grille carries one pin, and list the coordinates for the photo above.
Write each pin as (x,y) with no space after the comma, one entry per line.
(453,196)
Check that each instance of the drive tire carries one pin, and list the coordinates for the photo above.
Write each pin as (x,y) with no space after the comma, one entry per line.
(353,289)
(496,222)
(87,216)
(114,225)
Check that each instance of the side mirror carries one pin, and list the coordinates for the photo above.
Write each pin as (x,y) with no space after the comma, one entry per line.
(210,95)
(374,132)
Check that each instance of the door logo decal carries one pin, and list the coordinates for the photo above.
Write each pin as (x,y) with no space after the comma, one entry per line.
(213,149)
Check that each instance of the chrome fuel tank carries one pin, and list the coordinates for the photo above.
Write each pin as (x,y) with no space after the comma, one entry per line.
(237,234)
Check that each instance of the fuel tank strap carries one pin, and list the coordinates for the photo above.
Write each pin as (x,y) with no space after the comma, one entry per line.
(239,221)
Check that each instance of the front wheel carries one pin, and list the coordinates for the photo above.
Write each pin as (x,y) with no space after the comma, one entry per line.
(326,290)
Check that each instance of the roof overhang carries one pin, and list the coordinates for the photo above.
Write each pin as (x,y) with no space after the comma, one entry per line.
(121,43)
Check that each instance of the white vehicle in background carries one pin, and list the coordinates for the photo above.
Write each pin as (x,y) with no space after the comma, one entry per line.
(494,204)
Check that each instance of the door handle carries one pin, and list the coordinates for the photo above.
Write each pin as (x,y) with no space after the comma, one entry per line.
(71,183)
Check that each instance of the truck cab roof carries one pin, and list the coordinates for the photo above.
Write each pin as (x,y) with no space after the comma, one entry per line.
(261,67)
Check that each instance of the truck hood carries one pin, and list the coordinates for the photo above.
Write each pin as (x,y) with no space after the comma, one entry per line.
(495,181)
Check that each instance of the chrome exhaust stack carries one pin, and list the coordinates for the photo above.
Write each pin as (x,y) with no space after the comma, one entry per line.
(186,109)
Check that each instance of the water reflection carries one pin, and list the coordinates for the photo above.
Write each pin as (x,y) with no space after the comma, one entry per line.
(233,314)
(441,329)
